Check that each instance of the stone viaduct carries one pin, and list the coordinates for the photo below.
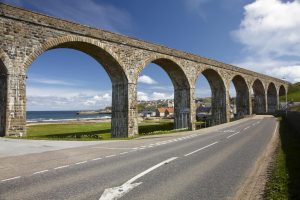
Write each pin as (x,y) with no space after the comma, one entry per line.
(25,35)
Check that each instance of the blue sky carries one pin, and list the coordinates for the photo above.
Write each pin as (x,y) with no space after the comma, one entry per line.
(260,35)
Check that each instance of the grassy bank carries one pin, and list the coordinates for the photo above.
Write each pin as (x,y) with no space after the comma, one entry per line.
(293,93)
(284,181)
(91,131)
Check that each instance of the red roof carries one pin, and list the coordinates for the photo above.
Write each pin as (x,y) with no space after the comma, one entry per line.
(170,110)
(161,110)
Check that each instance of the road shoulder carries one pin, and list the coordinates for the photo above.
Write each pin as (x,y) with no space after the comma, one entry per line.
(254,185)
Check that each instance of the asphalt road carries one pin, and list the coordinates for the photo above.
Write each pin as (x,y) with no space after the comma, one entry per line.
(208,164)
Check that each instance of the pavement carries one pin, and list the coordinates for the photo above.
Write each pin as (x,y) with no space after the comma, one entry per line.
(206,164)
(23,147)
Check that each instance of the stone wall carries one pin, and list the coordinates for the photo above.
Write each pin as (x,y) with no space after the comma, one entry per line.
(25,35)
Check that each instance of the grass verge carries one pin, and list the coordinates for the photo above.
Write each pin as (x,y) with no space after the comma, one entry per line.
(284,182)
(91,131)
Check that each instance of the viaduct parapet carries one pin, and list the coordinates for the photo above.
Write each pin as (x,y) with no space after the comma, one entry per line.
(25,35)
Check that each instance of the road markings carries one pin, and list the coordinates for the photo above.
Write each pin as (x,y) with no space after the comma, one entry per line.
(9,179)
(60,167)
(111,148)
(125,152)
(118,192)
(232,135)
(228,131)
(110,156)
(96,159)
(201,149)
(40,172)
(275,129)
(82,162)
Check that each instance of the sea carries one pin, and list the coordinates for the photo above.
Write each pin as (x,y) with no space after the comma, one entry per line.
(61,116)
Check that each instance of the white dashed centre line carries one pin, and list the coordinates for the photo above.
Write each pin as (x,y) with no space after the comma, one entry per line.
(233,135)
(201,149)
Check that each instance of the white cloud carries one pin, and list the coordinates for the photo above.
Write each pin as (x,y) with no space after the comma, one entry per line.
(271,27)
(270,33)
(160,95)
(93,13)
(144,96)
(41,98)
(147,80)
(59,92)
(203,92)
(168,88)
(98,99)
(291,73)
(50,81)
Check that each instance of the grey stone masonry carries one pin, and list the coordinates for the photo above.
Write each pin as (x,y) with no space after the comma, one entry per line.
(25,35)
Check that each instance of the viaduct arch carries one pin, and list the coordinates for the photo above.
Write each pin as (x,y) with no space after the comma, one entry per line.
(25,35)
(242,96)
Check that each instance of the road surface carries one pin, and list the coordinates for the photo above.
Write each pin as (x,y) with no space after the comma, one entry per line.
(206,164)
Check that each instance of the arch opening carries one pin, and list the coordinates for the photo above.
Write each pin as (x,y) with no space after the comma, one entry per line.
(218,114)
(203,107)
(118,78)
(272,98)
(239,98)
(259,97)
(283,98)
(167,96)
(3,98)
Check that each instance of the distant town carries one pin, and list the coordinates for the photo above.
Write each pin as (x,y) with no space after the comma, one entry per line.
(164,108)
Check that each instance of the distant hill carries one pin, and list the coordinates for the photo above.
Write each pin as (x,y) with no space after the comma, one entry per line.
(293,93)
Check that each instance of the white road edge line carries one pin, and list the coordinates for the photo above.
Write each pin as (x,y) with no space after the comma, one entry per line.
(201,149)
(40,172)
(232,135)
(118,192)
(110,156)
(82,162)
(8,179)
(275,128)
(96,159)
(60,167)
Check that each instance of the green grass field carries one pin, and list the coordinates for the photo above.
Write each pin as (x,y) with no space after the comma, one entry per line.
(91,131)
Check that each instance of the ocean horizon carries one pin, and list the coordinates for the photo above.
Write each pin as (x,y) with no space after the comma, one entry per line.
(53,116)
